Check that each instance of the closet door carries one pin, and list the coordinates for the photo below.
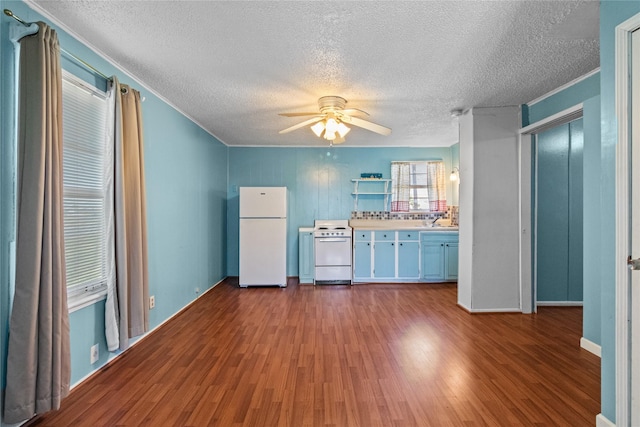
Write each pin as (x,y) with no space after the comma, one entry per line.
(559,214)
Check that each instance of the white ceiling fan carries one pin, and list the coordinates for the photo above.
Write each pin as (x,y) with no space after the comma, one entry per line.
(329,123)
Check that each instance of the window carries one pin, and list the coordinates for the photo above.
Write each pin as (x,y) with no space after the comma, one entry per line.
(86,190)
(418,186)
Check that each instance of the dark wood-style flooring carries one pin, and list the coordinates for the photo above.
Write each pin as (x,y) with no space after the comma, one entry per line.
(364,355)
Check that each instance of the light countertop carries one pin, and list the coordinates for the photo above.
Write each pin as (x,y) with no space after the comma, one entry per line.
(400,224)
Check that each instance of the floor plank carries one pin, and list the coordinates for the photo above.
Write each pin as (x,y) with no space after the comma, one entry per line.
(364,355)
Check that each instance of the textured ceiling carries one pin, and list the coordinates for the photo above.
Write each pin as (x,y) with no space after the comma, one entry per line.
(232,66)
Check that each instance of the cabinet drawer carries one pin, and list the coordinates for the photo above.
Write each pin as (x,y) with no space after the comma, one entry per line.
(408,235)
(438,236)
(385,235)
(362,236)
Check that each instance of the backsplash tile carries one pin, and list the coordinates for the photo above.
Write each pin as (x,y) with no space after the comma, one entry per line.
(451,213)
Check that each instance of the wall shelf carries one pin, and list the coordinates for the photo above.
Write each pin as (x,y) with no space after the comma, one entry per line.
(383,187)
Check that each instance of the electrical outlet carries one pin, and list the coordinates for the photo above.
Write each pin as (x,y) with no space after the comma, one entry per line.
(95,353)
(197,291)
(152,302)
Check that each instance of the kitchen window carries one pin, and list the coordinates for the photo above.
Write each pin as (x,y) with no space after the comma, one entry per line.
(418,186)
(87,161)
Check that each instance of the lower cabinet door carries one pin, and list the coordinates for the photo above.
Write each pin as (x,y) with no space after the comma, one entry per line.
(306,262)
(362,260)
(384,260)
(451,263)
(433,261)
(409,260)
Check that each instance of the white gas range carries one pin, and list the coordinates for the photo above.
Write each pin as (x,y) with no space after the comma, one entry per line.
(332,246)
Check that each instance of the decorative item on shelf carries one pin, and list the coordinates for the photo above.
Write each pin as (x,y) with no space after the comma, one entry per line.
(371,175)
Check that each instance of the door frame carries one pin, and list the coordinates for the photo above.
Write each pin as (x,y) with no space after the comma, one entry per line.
(528,226)
(623,314)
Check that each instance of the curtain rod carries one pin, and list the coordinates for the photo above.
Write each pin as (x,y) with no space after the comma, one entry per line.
(85,64)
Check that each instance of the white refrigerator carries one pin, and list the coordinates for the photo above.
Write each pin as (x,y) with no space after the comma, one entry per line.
(263,236)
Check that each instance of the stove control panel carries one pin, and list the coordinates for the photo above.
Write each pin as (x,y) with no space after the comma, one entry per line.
(334,233)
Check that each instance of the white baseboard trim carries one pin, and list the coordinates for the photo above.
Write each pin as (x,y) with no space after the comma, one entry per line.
(464,307)
(113,356)
(602,421)
(559,303)
(488,310)
(591,347)
(495,310)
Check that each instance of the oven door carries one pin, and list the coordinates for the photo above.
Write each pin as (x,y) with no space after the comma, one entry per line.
(333,251)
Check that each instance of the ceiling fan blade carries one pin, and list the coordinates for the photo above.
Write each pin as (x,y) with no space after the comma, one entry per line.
(373,127)
(315,113)
(354,111)
(303,124)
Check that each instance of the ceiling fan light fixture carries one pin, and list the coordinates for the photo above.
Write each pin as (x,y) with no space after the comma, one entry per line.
(331,127)
(343,129)
(329,123)
(318,128)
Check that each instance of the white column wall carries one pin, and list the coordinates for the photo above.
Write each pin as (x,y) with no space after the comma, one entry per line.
(489,278)
(465,219)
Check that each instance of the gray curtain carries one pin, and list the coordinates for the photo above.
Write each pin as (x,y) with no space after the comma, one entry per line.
(38,364)
(127,310)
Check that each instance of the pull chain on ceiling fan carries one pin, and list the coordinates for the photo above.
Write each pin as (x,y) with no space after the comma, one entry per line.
(329,123)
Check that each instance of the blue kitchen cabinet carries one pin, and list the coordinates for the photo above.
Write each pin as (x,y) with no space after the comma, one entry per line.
(306,261)
(408,255)
(384,254)
(362,260)
(451,261)
(362,255)
(384,260)
(439,256)
(433,261)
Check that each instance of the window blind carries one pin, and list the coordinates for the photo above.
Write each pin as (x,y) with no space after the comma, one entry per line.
(85,116)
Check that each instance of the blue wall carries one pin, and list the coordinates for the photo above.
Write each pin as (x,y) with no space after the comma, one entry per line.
(591,222)
(319,184)
(568,97)
(612,13)
(186,178)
